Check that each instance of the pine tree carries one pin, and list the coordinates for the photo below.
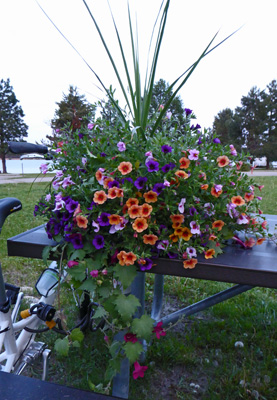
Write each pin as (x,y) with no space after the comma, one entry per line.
(12,127)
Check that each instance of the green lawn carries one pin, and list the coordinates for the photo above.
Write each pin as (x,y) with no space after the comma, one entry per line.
(197,359)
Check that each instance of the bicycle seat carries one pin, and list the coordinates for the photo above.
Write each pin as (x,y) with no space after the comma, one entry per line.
(8,205)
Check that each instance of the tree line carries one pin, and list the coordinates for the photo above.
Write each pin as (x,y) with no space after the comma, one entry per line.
(252,126)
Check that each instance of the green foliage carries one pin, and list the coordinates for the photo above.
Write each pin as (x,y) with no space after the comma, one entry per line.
(62,346)
(12,127)
(125,275)
(133,351)
(126,306)
(143,326)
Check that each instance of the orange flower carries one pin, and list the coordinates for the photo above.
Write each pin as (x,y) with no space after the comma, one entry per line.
(237,200)
(150,197)
(99,175)
(250,242)
(112,193)
(181,174)
(121,257)
(218,224)
(215,193)
(146,210)
(119,192)
(222,161)
(178,231)
(130,258)
(260,240)
(131,201)
(212,237)
(125,167)
(210,253)
(184,162)
(177,218)
(134,211)
(173,237)
(186,235)
(176,225)
(106,181)
(100,197)
(190,264)
(82,222)
(204,187)
(140,225)
(150,239)
(249,196)
(115,219)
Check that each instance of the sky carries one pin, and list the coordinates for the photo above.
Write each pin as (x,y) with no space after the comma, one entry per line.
(41,64)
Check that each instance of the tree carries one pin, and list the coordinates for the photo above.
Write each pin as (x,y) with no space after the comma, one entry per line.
(12,127)
(161,95)
(73,111)
(227,127)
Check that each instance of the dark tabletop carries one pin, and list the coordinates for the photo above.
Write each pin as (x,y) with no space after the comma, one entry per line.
(256,266)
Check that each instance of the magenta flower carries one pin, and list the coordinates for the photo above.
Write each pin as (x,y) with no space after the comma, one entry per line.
(94,273)
(139,370)
(71,263)
(90,126)
(130,337)
(158,330)
(43,168)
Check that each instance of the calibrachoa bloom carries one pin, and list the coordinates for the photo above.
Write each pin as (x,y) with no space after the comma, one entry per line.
(158,330)
(100,197)
(209,253)
(125,167)
(184,162)
(222,161)
(237,200)
(190,264)
(150,239)
(218,225)
(139,370)
(98,242)
(150,197)
(140,225)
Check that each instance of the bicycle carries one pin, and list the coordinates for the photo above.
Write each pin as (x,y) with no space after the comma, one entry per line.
(18,347)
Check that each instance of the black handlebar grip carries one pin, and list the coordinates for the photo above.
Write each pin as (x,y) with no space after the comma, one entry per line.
(25,148)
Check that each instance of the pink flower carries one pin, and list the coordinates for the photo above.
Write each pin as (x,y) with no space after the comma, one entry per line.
(158,330)
(90,126)
(48,197)
(181,206)
(94,273)
(139,370)
(43,168)
(71,263)
(121,146)
(193,154)
(195,229)
(105,272)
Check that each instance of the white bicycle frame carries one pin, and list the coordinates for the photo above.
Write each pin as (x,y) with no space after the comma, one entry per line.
(15,341)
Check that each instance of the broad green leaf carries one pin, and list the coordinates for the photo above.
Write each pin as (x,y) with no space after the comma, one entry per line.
(143,326)
(125,274)
(104,291)
(78,254)
(126,305)
(114,348)
(133,351)
(78,272)
(76,344)
(62,346)
(89,285)
(100,313)
(77,335)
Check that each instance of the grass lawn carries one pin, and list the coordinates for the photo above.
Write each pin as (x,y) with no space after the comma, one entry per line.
(197,359)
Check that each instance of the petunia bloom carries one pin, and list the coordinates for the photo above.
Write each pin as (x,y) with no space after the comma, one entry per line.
(100,197)
(98,242)
(150,239)
(237,200)
(181,174)
(152,165)
(121,146)
(146,210)
(140,182)
(82,221)
(184,162)
(114,219)
(249,196)
(150,197)
(130,337)
(209,253)
(218,224)
(134,211)
(166,149)
(177,218)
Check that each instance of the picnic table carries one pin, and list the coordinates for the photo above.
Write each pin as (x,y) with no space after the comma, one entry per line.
(246,268)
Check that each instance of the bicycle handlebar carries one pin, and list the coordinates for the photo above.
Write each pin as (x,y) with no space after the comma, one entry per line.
(24,148)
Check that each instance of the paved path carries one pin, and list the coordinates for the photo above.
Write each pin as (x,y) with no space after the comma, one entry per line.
(12,178)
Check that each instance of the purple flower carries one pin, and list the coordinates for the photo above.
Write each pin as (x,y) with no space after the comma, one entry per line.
(170,254)
(166,149)
(147,265)
(103,154)
(188,111)
(193,154)
(199,140)
(92,205)
(198,126)
(121,146)
(217,141)
(114,183)
(98,242)
(81,135)
(76,240)
(43,168)
(158,188)
(192,211)
(90,126)
(166,168)
(140,182)
(71,205)
(152,165)
(103,219)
